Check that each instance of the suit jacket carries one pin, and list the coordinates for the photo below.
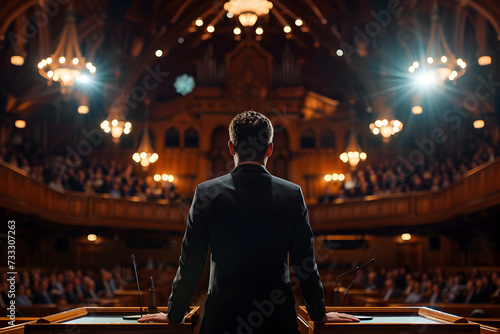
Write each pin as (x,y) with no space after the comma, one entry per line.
(252,221)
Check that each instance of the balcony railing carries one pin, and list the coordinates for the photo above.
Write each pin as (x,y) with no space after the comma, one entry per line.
(479,189)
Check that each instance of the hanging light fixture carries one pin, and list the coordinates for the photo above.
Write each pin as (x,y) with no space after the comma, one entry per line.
(116,123)
(386,128)
(439,64)
(484,60)
(66,64)
(353,153)
(17,60)
(145,154)
(19,55)
(416,110)
(248,11)
(83,103)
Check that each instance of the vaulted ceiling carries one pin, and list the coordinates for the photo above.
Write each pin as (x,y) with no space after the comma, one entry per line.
(121,36)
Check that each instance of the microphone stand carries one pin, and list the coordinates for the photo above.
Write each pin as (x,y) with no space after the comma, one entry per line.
(135,317)
(355,275)
(152,306)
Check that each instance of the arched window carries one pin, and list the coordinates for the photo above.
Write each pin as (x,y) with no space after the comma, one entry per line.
(220,136)
(172,137)
(280,167)
(191,137)
(307,139)
(327,139)
(280,140)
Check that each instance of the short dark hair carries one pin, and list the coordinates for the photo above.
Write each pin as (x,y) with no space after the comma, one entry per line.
(251,133)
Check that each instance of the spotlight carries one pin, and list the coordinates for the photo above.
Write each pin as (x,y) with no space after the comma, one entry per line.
(83,79)
(426,79)
(340,53)
(199,22)
(298,22)
(237,31)
(158,53)
(287,29)
(210,29)
(259,31)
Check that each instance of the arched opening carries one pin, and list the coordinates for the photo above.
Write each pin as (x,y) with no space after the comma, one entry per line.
(191,137)
(172,138)
(308,139)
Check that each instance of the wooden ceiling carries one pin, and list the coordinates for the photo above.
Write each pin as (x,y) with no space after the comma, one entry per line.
(121,36)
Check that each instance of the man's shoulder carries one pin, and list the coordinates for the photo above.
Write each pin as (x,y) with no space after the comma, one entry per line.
(225,181)
(216,182)
(284,183)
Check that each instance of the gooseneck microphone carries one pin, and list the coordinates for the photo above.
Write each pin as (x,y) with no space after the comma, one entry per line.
(357,268)
(135,317)
(152,306)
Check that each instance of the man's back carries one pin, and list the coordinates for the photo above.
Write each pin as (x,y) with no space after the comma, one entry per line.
(251,220)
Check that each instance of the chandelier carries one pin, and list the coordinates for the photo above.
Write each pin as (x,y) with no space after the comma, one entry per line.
(386,128)
(248,11)
(66,64)
(353,153)
(439,64)
(145,154)
(116,125)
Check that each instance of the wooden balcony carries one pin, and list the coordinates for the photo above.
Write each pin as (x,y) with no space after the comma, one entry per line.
(20,193)
(478,190)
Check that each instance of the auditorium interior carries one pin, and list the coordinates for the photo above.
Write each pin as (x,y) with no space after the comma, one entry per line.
(386,113)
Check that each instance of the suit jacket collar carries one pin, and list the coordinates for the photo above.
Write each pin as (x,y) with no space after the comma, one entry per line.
(250,168)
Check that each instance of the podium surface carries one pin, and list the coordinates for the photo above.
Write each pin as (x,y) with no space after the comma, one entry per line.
(100,320)
(409,320)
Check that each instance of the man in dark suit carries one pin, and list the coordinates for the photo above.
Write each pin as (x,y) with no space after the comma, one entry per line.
(252,221)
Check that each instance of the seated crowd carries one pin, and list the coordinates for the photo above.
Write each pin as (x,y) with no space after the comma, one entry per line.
(382,178)
(400,176)
(74,287)
(432,287)
(95,176)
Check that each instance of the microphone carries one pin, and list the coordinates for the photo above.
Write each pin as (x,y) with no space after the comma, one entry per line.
(355,275)
(152,306)
(135,317)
